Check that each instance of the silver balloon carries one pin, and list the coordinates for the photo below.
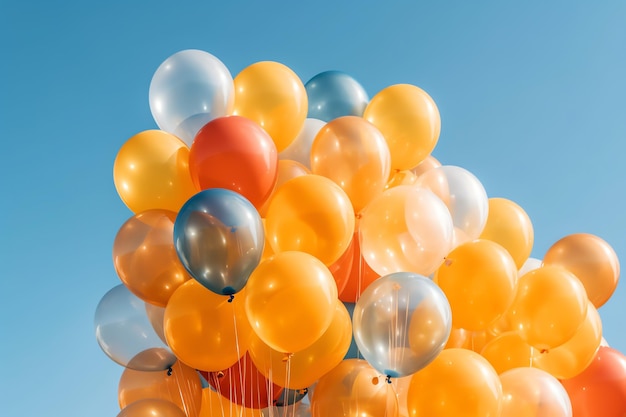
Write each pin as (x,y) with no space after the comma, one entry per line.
(401,322)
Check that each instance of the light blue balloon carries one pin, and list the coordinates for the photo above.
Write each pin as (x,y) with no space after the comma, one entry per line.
(401,322)
(219,238)
(333,94)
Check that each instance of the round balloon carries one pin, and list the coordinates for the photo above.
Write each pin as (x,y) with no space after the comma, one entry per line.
(125,333)
(151,171)
(219,238)
(189,89)
(333,94)
(235,153)
(272,95)
(153,407)
(401,323)
(409,120)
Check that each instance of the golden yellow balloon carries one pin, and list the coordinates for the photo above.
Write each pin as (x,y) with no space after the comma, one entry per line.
(549,305)
(290,299)
(409,120)
(509,225)
(151,171)
(478,277)
(302,369)
(311,214)
(272,95)
(592,260)
(459,383)
(206,330)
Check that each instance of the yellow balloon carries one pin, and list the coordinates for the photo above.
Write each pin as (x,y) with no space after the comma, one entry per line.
(509,225)
(290,300)
(550,304)
(206,330)
(151,171)
(508,351)
(311,214)
(478,277)
(573,357)
(353,153)
(353,388)
(272,95)
(459,383)
(303,368)
(409,120)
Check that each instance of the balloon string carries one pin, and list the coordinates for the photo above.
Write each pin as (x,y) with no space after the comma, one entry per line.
(532,354)
(241,374)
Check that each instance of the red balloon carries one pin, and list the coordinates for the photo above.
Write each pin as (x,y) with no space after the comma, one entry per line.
(235,153)
(600,390)
(342,268)
(360,275)
(244,384)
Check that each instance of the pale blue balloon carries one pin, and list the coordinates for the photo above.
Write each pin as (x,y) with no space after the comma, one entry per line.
(401,322)
(333,94)
(219,238)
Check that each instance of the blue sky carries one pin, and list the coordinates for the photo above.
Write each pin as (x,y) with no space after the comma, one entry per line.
(532,99)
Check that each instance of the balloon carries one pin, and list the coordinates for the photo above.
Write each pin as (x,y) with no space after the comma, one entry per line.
(409,120)
(549,305)
(205,330)
(311,214)
(460,383)
(156,315)
(244,384)
(145,258)
(592,260)
(126,335)
(272,95)
(151,171)
(188,90)
(333,94)
(529,265)
(219,238)
(290,300)
(360,274)
(216,405)
(234,153)
(353,388)
(531,392)
(405,228)
(405,177)
(600,390)
(152,407)
(478,278)
(353,153)
(463,194)
(509,225)
(180,385)
(573,357)
(428,163)
(342,267)
(287,169)
(401,323)
(303,368)
(300,149)
(507,351)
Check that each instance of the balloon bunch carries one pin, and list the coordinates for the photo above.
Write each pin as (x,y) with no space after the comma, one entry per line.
(296,249)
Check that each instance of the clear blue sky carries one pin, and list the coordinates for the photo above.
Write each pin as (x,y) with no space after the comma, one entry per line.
(532,97)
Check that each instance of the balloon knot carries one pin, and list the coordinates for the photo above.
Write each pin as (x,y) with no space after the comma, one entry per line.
(233,229)
(542,351)
(287,357)
(220,374)
(375,380)
(231,298)
(169,371)
(388,379)
(447,261)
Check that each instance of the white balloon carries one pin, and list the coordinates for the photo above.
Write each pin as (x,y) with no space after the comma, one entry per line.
(300,149)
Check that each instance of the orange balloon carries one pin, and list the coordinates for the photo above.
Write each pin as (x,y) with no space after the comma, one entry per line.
(549,305)
(153,407)
(151,171)
(458,383)
(205,330)
(311,214)
(572,357)
(342,267)
(353,153)
(509,225)
(360,275)
(287,169)
(353,388)
(592,260)
(405,177)
(181,386)
(215,405)
(303,368)
(272,95)
(478,277)
(409,120)
(429,163)
(508,351)
(145,258)
(290,300)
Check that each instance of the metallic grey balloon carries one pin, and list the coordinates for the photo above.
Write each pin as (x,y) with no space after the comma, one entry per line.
(219,238)
(401,322)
